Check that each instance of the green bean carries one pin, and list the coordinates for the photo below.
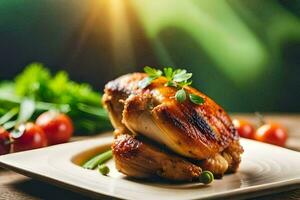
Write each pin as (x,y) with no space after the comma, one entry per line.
(98,160)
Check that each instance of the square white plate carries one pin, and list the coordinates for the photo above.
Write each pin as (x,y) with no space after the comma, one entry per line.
(264,169)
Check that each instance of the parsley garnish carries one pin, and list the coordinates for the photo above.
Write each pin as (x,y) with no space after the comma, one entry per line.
(180,95)
(196,99)
(178,78)
(152,75)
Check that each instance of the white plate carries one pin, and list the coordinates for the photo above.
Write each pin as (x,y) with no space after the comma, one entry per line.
(264,169)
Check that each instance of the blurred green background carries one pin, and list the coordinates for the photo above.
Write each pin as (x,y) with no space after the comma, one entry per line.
(245,54)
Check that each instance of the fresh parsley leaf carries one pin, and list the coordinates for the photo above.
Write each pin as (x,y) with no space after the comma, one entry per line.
(152,75)
(196,99)
(180,95)
(145,82)
(188,83)
(33,82)
(7,88)
(168,71)
(177,71)
(170,84)
(68,92)
(182,76)
(184,83)
(152,72)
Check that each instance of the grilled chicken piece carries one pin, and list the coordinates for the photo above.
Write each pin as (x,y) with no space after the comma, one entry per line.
(190,130)
(188,138)
(140,159)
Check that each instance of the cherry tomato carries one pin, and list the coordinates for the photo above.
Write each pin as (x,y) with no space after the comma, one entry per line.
(31,137)
(58,127)
(5,143)
(244,128)
(272,133)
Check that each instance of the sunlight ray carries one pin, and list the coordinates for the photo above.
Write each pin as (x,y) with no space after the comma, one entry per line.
(122,46)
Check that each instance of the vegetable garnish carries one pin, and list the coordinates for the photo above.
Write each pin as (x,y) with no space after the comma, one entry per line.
(206,177)
(244,128)
(152,75)
(28,136)
(10,114)
(98,160)
(38,91)
(178,78)
(272,133)
(196,99)
(27,109)
(58,127)
(103,169)
(180,95)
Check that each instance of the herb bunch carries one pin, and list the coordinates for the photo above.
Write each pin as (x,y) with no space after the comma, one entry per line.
(178,78)
(36,90)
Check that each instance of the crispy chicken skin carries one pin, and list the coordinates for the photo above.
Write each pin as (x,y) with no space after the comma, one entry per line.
(226,161)
(201,133)
(139,159)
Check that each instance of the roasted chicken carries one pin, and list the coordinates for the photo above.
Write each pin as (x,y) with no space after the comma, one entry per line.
(140,159)
(156,136)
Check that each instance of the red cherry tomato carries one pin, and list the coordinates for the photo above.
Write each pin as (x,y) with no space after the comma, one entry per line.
(31,137)
(272,133)
(244,128)
(58,127)
(4,142)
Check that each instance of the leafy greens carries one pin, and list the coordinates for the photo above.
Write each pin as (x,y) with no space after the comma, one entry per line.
(46,92)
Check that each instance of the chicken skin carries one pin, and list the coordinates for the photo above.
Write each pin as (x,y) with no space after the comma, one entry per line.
(196,135)
(139,159)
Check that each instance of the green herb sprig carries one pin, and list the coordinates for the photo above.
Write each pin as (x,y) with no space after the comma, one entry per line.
(152,75)
(178,78)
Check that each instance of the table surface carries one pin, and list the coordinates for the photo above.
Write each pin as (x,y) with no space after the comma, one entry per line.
(18,187)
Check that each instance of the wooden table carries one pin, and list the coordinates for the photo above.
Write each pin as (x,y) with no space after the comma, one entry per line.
(18,187)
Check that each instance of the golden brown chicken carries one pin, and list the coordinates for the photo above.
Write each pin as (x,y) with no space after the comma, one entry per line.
(155,135)
(140,159)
